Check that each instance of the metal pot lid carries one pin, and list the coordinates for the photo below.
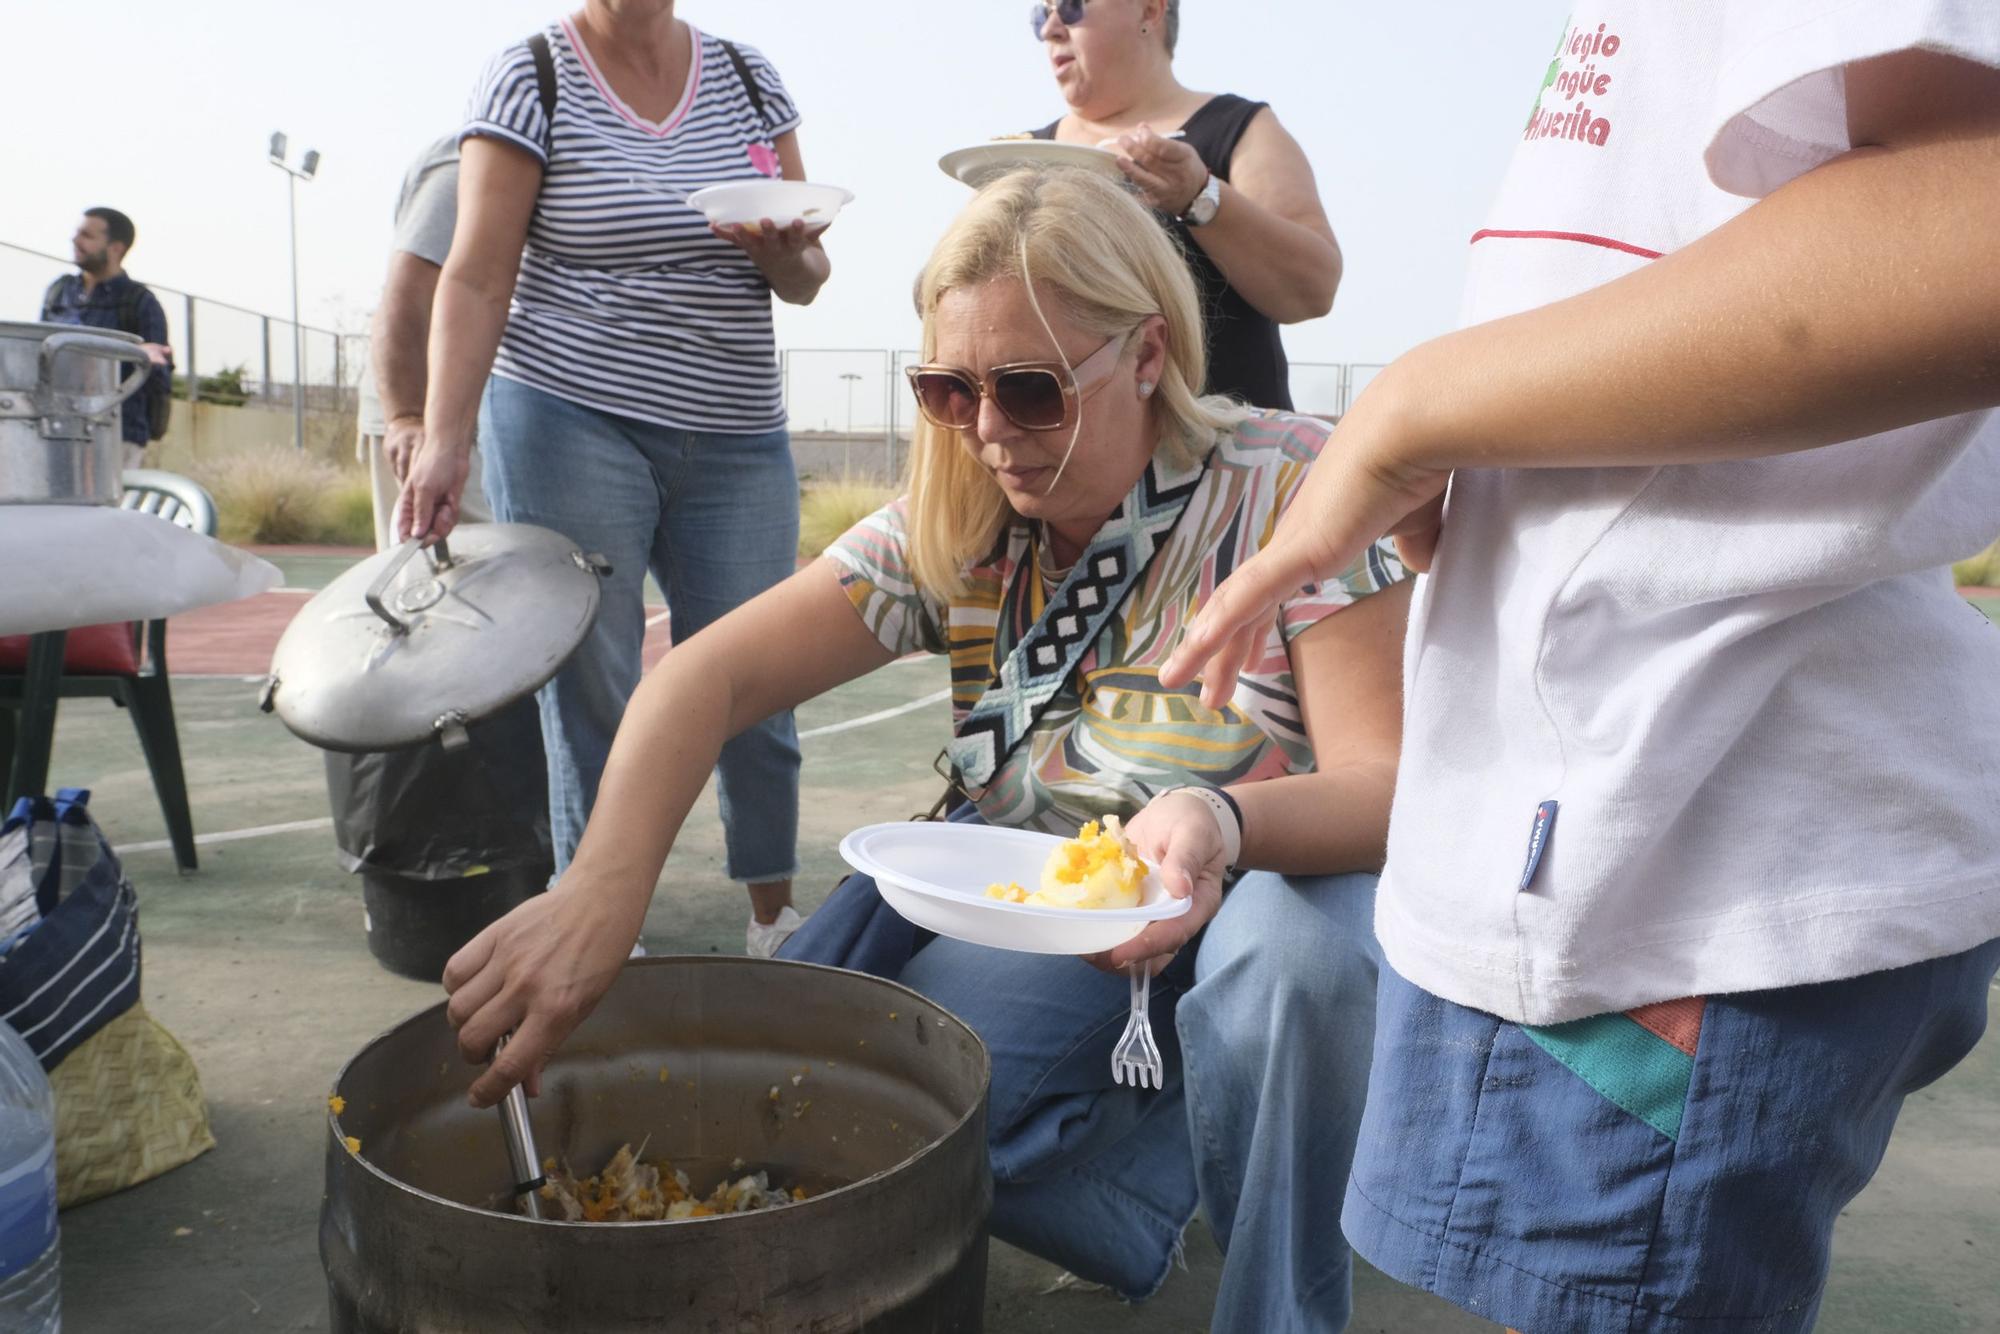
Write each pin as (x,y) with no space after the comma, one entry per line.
(406,646)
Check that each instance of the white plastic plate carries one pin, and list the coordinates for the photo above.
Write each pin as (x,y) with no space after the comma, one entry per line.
(976,164)
(783,202)
(936,875)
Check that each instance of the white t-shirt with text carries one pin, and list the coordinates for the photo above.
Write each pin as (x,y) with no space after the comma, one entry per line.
(1770,727)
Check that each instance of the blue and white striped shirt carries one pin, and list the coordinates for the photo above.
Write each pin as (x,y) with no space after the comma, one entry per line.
(626,302)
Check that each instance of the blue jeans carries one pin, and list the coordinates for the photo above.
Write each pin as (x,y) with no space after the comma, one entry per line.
(716,519)
(1266,1031)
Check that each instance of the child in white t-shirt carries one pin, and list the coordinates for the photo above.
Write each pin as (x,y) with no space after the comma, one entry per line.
(1694,867)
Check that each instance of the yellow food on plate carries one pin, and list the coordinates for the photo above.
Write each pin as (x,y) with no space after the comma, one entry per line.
(1007,893)
(1096,869)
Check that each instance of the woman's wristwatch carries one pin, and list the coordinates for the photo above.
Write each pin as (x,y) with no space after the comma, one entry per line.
(1202,208)
(1228,819)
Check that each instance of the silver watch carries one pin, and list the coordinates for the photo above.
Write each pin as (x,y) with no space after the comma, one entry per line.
(1201,210)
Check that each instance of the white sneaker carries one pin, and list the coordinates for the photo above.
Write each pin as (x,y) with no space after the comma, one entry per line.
(762,942)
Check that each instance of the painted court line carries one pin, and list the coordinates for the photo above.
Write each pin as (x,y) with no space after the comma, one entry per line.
(234,835)
(326,821)
(867,718)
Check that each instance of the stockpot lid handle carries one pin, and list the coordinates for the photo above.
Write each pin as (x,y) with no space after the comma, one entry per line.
(440,559)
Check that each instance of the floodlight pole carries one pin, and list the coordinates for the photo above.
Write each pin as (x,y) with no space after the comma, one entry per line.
(293,175)
(852,380)
(298,333)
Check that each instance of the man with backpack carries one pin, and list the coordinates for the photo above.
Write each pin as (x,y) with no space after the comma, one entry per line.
(102,295)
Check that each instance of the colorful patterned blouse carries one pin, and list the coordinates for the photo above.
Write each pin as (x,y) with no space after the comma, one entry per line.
(1113,737)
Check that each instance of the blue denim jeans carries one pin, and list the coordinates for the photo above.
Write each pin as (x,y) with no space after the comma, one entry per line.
(1266,1025)
(716,519)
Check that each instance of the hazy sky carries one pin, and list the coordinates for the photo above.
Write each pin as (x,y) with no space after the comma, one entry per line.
(1407,111)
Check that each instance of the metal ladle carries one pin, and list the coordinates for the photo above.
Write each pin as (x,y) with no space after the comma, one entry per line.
(521,1155)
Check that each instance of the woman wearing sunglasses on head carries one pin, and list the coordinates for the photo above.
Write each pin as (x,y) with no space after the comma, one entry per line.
(615,352)
(1070,495)
(1220,172)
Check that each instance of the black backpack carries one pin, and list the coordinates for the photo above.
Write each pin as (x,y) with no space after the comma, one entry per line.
(158,389)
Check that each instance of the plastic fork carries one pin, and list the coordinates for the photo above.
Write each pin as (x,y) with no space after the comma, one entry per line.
(1136,1058)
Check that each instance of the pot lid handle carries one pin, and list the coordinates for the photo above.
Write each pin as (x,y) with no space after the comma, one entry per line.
(440,559)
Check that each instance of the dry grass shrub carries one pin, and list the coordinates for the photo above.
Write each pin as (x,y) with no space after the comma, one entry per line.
(351,511)
(275,495)
(830,508)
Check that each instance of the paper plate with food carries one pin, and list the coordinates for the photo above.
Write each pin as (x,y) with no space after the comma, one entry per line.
(1014,889)
(976,164)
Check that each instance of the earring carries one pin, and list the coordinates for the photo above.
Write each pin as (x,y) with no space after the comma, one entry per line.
(1145,388)
(1144,29)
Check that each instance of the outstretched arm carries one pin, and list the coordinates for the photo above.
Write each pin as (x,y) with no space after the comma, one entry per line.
(1858,298)
(539,971)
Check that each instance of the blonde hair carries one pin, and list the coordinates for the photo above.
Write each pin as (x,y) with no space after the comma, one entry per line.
(1096,251)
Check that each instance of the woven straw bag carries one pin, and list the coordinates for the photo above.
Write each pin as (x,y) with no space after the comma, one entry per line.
(128,1107)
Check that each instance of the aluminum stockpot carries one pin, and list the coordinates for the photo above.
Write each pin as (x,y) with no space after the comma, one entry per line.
(60,394)
(861,1090)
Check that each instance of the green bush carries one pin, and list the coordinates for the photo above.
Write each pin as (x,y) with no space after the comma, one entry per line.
(828,509)
(225,386)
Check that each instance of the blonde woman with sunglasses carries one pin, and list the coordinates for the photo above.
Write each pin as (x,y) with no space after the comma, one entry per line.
(1072,500)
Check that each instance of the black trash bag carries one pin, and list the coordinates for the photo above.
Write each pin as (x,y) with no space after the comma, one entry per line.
(428,813)
(446,841)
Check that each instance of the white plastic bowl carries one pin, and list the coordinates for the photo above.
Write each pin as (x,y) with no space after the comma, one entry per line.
(783,202)
(936,875)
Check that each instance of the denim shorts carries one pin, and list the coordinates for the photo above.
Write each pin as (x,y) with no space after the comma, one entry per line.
(1674,1169)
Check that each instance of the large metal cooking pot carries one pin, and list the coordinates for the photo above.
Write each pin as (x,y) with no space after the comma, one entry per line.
(60,395)
(846,1084)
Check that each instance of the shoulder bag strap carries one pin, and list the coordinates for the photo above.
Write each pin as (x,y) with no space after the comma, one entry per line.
(1076,614)
(749,84)
(545,84)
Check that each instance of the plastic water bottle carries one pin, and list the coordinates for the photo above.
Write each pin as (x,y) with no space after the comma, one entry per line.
(30,1284)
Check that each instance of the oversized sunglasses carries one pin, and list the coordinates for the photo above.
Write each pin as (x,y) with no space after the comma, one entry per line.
(1034,395)
(1069,11)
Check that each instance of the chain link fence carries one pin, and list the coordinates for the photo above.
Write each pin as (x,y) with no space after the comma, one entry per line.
(226,357)
(849,409)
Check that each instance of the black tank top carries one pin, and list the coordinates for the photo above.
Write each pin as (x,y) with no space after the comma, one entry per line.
(1246,359)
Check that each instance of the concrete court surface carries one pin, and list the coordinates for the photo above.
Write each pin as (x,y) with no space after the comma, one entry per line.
(259,966)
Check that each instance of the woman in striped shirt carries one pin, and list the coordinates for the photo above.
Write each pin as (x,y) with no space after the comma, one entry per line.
(633,403)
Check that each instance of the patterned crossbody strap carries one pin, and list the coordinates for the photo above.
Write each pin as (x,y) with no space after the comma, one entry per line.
(1104,575)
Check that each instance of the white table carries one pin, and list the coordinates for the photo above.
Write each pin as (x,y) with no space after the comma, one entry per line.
(63,566)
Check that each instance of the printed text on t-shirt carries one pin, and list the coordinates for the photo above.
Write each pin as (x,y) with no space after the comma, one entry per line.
(1581,69)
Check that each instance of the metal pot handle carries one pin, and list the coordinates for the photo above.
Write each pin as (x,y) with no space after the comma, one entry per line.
(440,558)
(91,345)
